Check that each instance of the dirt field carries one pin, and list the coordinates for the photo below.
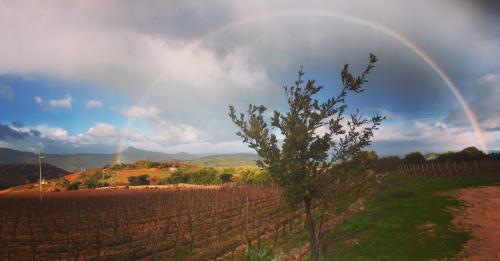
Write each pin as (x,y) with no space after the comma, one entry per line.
(482,218)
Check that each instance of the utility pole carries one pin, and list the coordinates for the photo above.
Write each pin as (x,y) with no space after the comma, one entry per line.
(40,157)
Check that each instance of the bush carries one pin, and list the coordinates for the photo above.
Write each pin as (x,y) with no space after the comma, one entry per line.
(264,253)
(178,177)
(102,184)
(138,180)
(91,183)
(204,176)
(467,154)
(154,180)
(254,176)
(389,163)
(414,157)
(226,177)
(74,185)
(62,182)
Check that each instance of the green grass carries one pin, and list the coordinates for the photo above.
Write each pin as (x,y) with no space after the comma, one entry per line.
(388,227)
(228,160)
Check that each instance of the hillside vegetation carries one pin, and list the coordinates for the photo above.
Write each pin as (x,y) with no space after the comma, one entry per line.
(75,162)
(227,160)
(18,174)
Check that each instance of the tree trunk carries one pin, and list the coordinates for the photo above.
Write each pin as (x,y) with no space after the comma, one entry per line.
(311,229)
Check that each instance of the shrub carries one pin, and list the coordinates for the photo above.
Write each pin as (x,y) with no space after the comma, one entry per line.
(204,176)
(74,185)
(62,182)
(154,180)
(414,157)
(138,180)
(226,177)
(178,177)
(254,176)
(91,183)
(264,253)
(102,184)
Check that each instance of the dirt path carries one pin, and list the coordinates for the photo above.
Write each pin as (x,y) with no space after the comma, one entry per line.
(482,218)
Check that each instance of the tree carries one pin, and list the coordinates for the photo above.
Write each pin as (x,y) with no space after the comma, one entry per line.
(226,177)
(414,157)
(74,185)
(178,177)
(204,176)
(472,153)
(316,137)
(138,180)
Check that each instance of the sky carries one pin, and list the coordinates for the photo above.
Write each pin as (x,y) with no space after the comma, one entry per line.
(99,76)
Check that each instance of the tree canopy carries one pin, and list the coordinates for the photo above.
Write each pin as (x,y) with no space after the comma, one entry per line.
(316,135)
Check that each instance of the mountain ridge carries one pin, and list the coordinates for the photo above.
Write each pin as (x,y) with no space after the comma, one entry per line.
(74,162)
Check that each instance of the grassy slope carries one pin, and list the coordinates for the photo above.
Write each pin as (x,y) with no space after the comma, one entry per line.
(123,175)
(227,160)
(388,228)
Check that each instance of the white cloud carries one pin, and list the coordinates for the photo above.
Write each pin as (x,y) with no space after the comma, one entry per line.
(103,130)
(54,133)
(65,103)
(166,132)
(93,104)
(38,100)
(139,112)
(490,80)
(433,135)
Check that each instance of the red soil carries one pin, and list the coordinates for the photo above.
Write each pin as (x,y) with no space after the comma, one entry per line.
(482,218)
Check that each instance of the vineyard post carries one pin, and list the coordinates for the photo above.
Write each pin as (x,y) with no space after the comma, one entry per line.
(246,226)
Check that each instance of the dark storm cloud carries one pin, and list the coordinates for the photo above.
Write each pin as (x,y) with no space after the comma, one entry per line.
(6,132)
(485,103)
(161,44)
(17,124)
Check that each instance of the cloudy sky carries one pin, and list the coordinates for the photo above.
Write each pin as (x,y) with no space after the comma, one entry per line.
(98,76)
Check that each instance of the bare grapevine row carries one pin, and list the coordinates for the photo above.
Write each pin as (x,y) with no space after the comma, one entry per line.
(196,224)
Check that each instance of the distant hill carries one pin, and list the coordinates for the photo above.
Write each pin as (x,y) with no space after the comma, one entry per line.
(132,154)
(23,173)
(227,160)
(73,162)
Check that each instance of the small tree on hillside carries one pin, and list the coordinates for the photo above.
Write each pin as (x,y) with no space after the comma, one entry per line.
(414,157)
(316,136)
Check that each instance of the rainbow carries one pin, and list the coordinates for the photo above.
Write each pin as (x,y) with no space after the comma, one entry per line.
(118,155)
(355,20)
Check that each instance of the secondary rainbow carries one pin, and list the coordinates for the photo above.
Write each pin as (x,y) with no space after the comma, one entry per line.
(351,19)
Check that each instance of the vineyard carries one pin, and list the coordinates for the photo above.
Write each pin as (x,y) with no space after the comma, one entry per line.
(194,224)
(451,169)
